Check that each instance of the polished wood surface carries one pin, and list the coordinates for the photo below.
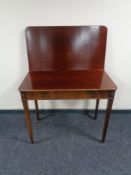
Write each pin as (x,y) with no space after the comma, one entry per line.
(66,48)
(67,95)
(67,80)
(67,63)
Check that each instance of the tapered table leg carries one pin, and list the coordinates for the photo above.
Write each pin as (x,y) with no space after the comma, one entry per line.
(37,110)
(28,120)
(108,114)
(96,110)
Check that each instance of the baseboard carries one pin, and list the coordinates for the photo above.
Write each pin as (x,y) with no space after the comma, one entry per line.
(114,111)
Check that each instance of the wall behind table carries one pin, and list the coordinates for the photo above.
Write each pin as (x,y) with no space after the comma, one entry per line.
(16,15)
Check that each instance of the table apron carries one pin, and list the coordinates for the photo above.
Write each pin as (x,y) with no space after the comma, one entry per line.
(63,95)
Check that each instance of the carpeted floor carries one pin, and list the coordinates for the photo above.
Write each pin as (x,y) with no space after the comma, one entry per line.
(66,144)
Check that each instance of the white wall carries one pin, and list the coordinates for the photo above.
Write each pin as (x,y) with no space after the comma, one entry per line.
(16,15)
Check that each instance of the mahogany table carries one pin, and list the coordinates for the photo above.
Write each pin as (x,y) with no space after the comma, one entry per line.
(66,62)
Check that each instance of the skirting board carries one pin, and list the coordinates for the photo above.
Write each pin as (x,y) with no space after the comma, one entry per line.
(114,111)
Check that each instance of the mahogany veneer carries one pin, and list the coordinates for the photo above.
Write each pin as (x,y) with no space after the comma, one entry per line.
(66,63)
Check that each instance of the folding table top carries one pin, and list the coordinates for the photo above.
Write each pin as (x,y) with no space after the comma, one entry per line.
(66,58)
(66,48)
(67,81)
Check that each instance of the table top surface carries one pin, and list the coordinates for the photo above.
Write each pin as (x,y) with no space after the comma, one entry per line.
(68,58)
(67,81)
(66,47)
